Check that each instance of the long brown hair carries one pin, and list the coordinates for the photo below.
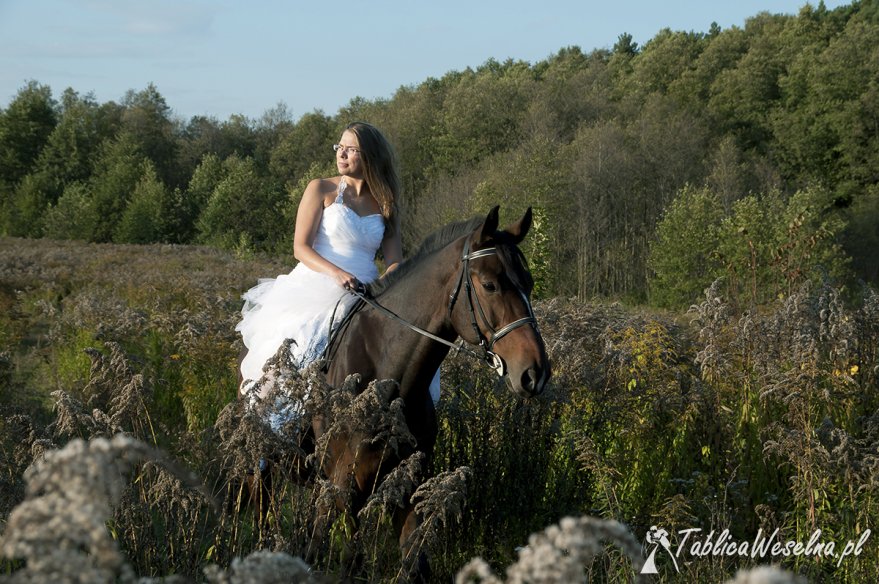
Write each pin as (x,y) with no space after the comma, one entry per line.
(379,168)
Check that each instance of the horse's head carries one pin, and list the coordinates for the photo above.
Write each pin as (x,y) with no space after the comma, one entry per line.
(491,305)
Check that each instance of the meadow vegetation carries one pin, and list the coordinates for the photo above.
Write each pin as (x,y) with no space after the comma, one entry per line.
(715,419)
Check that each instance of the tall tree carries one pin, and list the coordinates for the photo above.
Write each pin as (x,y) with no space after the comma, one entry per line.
(197,138)
(535,175)
(209,173)
(624,175)
(25,126)
(664,59)
(482,114)
(239,136)
(74,216)
(245,211)
(70,148)
(684,255)
(721,52)
(118,168)
(827,129)
(743,97)
(149,213)
(269,129)
(23,215)
(574,89)
(308,141)
(147,118)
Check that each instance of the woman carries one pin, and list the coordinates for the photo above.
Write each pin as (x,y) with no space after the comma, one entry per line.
(340,225)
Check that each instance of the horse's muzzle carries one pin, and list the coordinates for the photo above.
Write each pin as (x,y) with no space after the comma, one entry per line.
(532,382)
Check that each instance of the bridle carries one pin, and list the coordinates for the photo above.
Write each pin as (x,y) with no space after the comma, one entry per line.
(486,344)
(465,281)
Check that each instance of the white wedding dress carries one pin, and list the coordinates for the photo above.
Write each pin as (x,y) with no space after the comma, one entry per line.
(300,305)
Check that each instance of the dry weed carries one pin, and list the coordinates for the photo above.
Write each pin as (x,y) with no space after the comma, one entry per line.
(559,554)
(766,575)
(438,501)
(262,567)
(396,488)
(60,529)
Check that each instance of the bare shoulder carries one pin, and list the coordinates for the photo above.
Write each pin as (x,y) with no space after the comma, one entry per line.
(323,189)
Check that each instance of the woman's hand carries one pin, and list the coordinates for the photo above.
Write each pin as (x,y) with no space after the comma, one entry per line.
(390,269)
(347,281)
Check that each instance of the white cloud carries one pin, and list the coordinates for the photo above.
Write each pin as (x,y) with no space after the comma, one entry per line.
(157,17)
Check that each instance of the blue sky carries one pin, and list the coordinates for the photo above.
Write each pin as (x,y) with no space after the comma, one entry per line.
(224,57)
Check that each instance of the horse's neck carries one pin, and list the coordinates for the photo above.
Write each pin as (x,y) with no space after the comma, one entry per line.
(421,296)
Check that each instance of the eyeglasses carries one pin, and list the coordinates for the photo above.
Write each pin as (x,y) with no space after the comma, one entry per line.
(345,149)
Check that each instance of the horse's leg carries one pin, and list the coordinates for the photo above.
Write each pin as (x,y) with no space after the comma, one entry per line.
(337,464)
(259,487)
(415,566)
(353,467)
(252,493)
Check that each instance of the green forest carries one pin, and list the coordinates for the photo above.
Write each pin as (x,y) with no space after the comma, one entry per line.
(704,250)
(763,138)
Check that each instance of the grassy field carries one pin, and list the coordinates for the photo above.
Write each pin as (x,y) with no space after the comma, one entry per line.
(713,419)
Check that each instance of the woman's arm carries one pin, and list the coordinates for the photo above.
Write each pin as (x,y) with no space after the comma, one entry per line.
(308,217)
(392,247)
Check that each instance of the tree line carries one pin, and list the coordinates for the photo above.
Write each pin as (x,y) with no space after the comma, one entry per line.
(746,154)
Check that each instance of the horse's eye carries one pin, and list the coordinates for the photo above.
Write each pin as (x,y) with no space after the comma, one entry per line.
(489,286)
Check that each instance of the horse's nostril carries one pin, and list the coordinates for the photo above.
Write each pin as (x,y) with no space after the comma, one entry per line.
(531,380)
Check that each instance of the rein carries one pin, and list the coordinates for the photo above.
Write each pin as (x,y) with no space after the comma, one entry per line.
(365,298)
(488,356)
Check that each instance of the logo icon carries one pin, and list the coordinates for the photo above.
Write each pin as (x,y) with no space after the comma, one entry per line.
(658,537)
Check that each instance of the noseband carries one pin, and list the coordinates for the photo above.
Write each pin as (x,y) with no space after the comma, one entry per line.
(487,344)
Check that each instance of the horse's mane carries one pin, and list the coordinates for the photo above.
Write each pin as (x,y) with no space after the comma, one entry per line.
(429,245)
(510,255)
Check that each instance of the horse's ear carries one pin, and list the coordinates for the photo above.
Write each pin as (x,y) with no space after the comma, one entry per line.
(520,228)
(488,228)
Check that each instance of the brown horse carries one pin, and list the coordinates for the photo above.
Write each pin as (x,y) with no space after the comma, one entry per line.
(468,280)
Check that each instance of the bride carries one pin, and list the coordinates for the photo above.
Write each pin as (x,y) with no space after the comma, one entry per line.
(340,225)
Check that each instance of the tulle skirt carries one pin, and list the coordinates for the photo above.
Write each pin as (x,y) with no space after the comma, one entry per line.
(299,306)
